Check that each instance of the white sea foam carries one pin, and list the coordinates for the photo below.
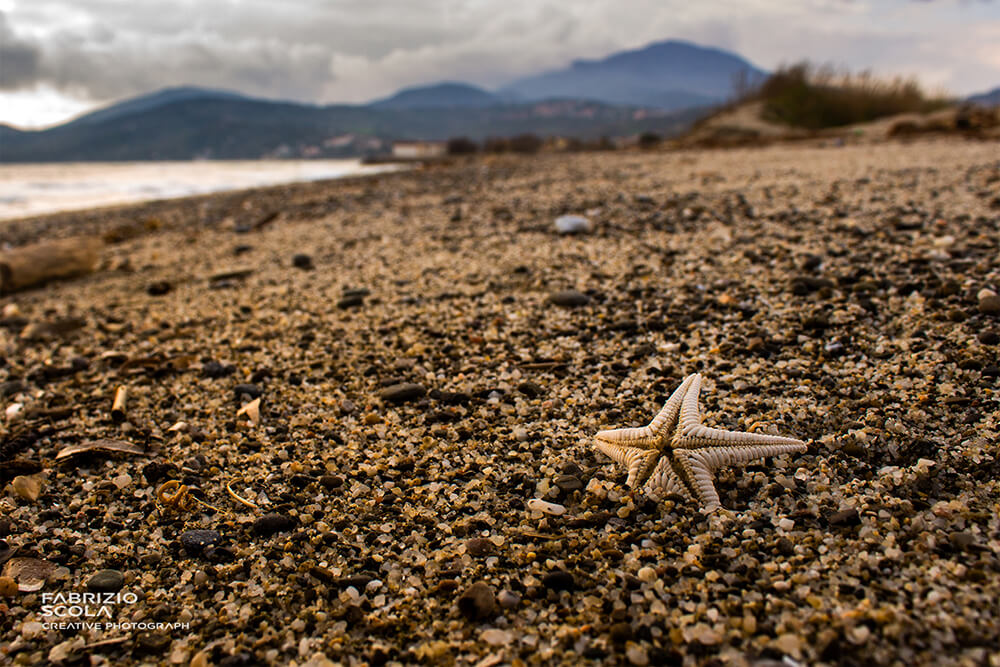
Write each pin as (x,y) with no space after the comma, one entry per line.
(34,189)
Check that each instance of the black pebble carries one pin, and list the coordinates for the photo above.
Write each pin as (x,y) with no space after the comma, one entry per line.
(158,288)
(302,261)
(196,541)
(569,298)
(251,390)
(559,580)
(402,392)
(269,524)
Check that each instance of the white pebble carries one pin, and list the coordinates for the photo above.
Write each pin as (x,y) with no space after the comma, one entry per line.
(572,224)
(539,505)
(495,637)
(123,480)
(647,574)
(786,524)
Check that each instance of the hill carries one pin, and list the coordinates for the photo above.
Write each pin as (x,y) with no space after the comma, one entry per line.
(439,96)
(220,128)
(153,100)
(667,75)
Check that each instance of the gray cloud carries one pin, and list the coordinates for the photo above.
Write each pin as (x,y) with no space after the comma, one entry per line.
(19,59)
(355,50)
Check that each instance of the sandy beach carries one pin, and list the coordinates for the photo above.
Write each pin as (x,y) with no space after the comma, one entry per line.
(431,356)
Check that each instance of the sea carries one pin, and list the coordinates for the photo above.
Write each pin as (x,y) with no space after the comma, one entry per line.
(36,189)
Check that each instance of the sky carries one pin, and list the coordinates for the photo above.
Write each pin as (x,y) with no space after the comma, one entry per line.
(59,58)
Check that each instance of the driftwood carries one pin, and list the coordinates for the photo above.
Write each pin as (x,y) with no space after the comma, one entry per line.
(32,265)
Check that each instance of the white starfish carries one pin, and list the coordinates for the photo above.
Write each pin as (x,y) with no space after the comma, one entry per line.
(675,453)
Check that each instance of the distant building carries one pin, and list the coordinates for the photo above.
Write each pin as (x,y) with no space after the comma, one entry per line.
(417,150)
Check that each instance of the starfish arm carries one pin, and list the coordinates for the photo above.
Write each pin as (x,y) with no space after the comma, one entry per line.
(698,475)
(664,482)
(698,435)
(642,437)
(721,457)
(666,418)
(638,461)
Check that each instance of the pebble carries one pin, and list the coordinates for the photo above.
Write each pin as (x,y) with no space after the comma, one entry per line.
(478,546)
(302,261)
(647,574)
(545,507)
(251,390)
(158,288)
(989,302)
(637,655)
(568,483)
(106,581)
(508,599)
(196,541)
(351,301)
(495,637)
(402,392)
(8,587)
(847,517)
(270,524)
(559,580)
(569,298)
(477,602)
(520,434)
(572,224)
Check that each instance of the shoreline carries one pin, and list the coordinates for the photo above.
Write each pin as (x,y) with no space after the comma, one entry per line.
(432,358)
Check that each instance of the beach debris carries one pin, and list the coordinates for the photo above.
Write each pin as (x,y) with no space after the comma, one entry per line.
(118,407)
(103,445)
(32,573)
(572,224)
(178,497)
(235,496)
(27,487)
(251,410)
(40,263)
(676,454)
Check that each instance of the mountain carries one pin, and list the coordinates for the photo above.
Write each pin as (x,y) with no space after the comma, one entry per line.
(988,99)
(225,128)
(439,96)
(153,100)
(661,88)
(667,75)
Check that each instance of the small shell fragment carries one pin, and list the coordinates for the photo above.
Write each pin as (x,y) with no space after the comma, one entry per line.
(251,410)
(118,407)
(538,505)
(28,487)
(104,445)
(30,573)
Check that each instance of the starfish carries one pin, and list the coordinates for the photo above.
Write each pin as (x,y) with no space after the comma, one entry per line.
(676,454)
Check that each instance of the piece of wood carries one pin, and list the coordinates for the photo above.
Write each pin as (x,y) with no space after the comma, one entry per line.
(37,264)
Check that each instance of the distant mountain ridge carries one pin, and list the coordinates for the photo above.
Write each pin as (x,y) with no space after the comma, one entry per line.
(669,75)
(990,98)
(438,96)
(654,89)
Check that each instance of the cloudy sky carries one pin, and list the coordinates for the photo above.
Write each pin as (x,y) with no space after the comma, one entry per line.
(61,57)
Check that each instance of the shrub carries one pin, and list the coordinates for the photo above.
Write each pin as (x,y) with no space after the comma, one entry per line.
(815,98)
(649,140)
(461,146)
(525,143)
